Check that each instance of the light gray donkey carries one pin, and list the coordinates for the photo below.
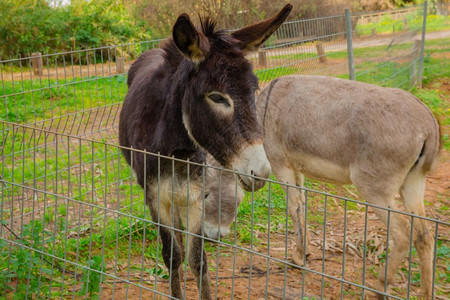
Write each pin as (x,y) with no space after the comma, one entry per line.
(382,140)
(223,196)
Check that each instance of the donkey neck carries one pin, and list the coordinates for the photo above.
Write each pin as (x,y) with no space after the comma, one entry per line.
(171,124)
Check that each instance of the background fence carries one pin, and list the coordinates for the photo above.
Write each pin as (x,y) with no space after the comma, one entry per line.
(74,224)
(51,90)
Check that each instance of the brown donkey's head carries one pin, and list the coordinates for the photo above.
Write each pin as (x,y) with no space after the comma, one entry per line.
(218,92)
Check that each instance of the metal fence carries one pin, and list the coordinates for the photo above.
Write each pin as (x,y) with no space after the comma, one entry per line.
(51,90)
(74,223)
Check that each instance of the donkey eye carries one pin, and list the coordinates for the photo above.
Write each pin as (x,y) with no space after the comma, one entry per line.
(219,99)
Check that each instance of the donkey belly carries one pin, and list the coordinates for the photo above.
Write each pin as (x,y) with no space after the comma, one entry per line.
(320,169)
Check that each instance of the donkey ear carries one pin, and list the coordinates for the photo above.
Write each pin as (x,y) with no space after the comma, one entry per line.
(193,44)
(252,37)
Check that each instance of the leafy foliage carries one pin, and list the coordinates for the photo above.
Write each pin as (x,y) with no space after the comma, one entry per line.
(23,267)
(34,25)
(92,280)
(29,26)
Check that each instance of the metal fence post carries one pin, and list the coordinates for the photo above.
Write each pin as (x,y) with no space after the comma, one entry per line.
(348,27)
(422,48)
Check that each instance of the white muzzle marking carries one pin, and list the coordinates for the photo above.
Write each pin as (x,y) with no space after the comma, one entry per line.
(213,230)
(252,161)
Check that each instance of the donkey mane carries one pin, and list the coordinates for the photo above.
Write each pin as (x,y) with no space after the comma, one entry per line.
(209,28)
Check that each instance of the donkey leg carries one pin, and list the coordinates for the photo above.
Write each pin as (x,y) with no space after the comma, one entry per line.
(398,231)
(199,266)
(191,216)
(412,193)
(179,238)
(296,208)
(172,256)
(382,192)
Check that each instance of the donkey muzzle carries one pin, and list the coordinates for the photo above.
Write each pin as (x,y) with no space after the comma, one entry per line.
(252,162)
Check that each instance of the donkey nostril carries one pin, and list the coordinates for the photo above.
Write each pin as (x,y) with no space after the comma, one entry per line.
(263,171)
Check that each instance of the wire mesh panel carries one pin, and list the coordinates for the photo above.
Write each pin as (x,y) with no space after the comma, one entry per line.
(313,46)
(76,92)
(387,47)
(75,224)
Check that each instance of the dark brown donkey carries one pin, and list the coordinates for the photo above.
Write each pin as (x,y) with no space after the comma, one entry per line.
(194,96)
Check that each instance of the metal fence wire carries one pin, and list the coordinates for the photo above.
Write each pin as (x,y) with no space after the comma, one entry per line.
(74,223)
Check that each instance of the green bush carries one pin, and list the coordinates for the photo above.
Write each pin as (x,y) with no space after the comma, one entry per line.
(30,26)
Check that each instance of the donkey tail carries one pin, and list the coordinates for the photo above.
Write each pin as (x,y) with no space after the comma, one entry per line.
(432,147)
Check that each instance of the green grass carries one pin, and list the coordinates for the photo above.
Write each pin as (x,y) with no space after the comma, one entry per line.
(437,45)
(270,74)
(28,268)
(397,74)
(297,56)
(435,67)
(435,101)
(436,73)
(391,74)
(42,99)
(432,46)
(31,164)
(98,175)
(388,25)
(373,52)
(90,247)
